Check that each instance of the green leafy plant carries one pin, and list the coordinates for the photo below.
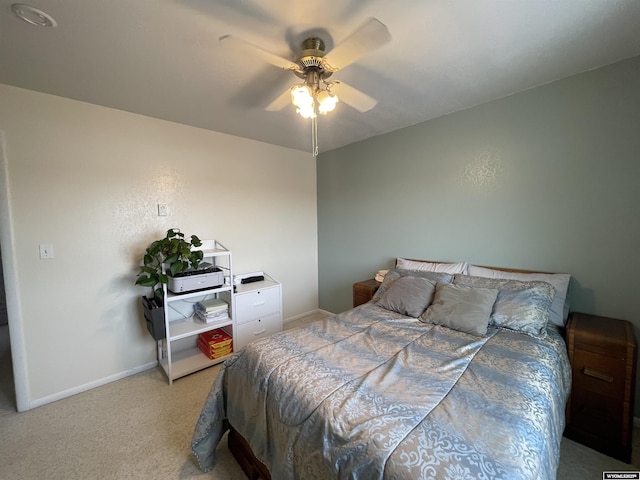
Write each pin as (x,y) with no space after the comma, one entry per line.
(172,251)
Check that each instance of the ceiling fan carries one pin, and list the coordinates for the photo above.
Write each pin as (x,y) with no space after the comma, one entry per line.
(318,94)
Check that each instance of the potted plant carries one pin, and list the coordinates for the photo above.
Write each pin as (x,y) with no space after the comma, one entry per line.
(171,254)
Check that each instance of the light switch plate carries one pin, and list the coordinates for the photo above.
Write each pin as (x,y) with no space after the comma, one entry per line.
(46,251)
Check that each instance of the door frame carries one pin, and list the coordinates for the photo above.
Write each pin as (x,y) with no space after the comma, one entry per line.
(11,285)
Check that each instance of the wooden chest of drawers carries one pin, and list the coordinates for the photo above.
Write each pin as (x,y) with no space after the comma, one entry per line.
(364,291)
(602,352)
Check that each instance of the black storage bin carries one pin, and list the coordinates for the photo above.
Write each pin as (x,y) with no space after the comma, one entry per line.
(154,317)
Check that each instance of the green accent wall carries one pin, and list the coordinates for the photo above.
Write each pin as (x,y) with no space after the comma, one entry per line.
(547,179)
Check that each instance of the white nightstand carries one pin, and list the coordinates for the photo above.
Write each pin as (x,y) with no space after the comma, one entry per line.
(257,311)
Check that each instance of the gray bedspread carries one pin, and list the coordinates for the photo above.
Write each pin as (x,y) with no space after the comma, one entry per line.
(370,394)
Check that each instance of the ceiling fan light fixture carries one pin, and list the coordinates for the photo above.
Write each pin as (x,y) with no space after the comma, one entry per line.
(301,95)
(326,101)
(306,112)
(302,98)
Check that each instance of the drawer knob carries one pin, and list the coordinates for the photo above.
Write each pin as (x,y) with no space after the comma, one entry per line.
(258,304)
(597,374)
(260,332)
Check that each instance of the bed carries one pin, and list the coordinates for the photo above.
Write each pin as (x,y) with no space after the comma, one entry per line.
(416,383)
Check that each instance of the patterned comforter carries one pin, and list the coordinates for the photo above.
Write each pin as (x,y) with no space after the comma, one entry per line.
(370,394)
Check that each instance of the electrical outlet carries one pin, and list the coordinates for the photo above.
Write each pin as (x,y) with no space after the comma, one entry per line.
(163,210)
(46,251)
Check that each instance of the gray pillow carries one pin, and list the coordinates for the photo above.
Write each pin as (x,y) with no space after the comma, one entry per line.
(461,308)
(408,296)
(559,310)
(395,274)
(521,306)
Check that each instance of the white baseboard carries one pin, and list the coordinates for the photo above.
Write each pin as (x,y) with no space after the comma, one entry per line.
(88,386)
(127,373)
(306,314)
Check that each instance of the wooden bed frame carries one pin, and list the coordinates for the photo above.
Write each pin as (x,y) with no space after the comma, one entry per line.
(253,468)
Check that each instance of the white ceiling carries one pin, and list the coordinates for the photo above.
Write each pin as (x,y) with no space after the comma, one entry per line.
(162,58)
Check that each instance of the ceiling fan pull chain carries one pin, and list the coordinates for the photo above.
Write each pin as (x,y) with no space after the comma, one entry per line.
(314,136)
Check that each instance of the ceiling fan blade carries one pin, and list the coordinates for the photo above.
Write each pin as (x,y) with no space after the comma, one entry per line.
(256,51)
(281,102)
(369,36)
(353,97)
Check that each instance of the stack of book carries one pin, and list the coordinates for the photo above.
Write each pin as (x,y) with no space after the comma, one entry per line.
(213,310)
(215,343)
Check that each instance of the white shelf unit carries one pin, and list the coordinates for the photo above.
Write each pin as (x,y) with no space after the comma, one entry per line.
(178,353)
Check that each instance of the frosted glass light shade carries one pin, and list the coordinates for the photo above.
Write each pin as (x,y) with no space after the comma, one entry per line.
(326,102)
(301,96)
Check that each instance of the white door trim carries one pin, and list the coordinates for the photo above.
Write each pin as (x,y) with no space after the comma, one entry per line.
(12,289)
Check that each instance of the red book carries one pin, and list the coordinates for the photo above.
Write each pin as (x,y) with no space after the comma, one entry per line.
(216,338)
(204,346)
(214,353)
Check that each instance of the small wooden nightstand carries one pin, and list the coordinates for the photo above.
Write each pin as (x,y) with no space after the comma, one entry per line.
(602,352)
(363,291)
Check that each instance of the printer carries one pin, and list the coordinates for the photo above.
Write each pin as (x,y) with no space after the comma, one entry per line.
(203,277)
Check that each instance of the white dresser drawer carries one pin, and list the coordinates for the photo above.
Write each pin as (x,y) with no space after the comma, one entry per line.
(263,327)
(257,304)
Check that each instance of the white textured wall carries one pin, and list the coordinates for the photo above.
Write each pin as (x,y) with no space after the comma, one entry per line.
(87,179)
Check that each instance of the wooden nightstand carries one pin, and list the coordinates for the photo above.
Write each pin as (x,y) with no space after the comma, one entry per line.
(602,352)
(363,291)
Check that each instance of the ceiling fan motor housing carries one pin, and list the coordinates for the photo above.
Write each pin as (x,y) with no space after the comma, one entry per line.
(311,58)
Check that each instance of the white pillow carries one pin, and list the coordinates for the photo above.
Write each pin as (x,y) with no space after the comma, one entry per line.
(559,310)
(450,268)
